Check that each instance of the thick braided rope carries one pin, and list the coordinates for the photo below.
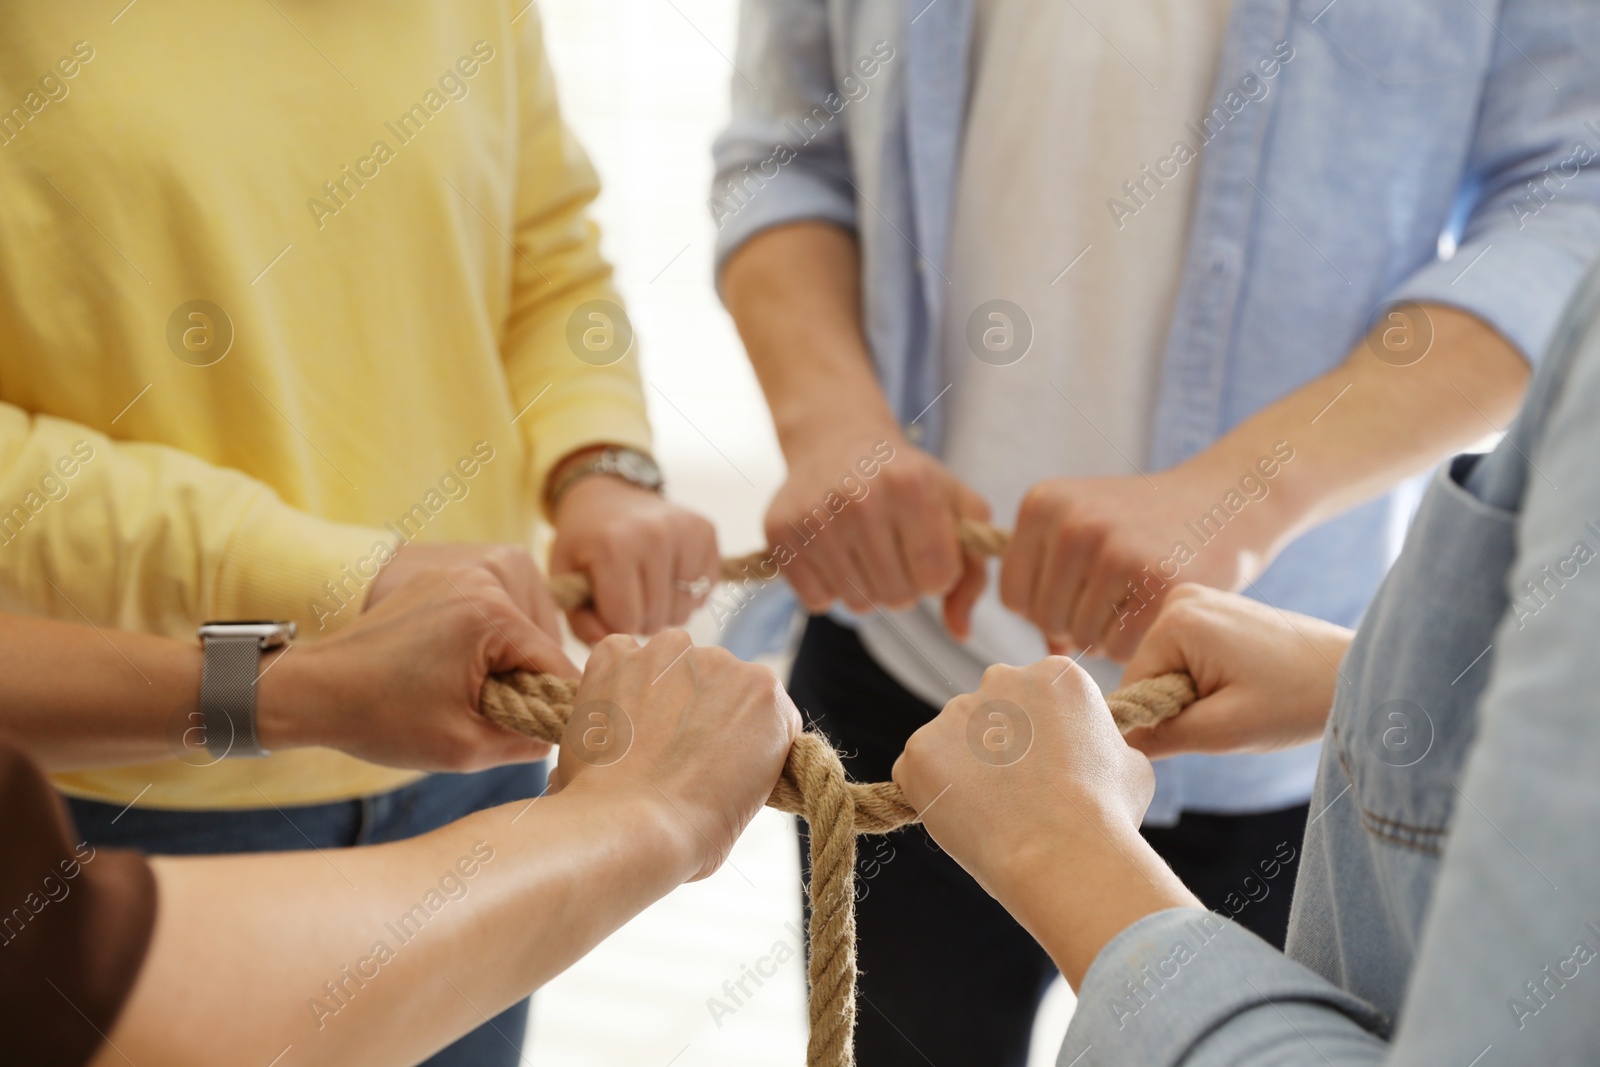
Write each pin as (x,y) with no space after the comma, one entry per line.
(813,785)
(977,539)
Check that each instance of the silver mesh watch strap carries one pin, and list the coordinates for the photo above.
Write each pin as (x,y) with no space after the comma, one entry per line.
(228,695)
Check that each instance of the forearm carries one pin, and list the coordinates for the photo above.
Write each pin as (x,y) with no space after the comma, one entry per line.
(1368,424)
(269,932)
(1074,894)
(77,698)
(794,292)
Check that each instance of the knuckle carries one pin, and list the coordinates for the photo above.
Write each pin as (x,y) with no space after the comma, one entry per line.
(916,493)
(1122,559)
(1051,667)
(1188,597)
(612,540)
(673,640)
(508,557)
(1181,611)
(614,645)
(997,674)
(715,658)
(916,746)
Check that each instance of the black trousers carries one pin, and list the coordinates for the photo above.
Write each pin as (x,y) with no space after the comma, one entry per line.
(947,976)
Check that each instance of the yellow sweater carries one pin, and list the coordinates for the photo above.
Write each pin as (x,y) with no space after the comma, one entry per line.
(280,286)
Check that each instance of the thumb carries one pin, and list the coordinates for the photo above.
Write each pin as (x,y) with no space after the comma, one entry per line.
(518,645)
(1211,725)
(969,587)
(1061,646)
(521,645)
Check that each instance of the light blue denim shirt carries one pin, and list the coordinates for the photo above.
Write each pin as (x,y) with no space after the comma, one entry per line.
(1324,193)
(1447,909)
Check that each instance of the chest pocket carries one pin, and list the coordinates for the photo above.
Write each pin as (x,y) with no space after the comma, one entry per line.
(1406,714)
(1401,42)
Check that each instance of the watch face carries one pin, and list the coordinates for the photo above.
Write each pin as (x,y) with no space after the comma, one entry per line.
(271,634)
(638,468)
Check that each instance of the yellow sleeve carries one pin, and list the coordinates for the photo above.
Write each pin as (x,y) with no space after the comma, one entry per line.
(578,372)
(147,537)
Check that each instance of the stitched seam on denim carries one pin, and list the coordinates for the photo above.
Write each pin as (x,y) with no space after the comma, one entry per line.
(1397,839)
(1410,828)
(1382,826)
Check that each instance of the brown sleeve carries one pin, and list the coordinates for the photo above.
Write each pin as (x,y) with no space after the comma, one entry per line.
(74,923)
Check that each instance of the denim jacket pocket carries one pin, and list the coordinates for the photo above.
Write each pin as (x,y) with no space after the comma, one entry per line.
(1406,714)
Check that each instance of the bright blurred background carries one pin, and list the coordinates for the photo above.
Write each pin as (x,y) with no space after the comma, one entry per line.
(645,85)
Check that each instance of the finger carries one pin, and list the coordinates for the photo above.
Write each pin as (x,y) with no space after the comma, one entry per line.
(900,775)
(1211,725)
(656,570)
(1061,576)
(521,645)
(668,649)
(619,598)
(697,568)
(882,559)
(516,572)
(1161,652)
(1130,621)
(861,588)
(958,605)
(556,780)
(586,626)
(810,587)
(791,714)
(928,540)
(829,558)
(710,570)
(545,615)
(501,745)
(685,598)
(608,653)
(1095,614)
(1020,566)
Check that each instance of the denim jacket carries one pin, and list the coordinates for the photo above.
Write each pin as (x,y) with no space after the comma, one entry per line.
(1448,903)
(1346,138)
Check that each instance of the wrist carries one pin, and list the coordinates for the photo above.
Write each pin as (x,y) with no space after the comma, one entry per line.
(601,464)
(563,466)
(651,827)
(1079,831)
(289,690)
(830,426)
(1075,892)
(592,488)
(1232,472)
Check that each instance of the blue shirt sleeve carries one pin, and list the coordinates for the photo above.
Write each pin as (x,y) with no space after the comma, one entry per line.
(1534,165)
(781,158)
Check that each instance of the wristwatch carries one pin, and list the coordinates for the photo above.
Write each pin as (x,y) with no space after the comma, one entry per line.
(232,652)
(629,464)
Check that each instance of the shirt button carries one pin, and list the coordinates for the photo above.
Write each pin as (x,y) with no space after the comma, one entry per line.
(914,431)
(921,265)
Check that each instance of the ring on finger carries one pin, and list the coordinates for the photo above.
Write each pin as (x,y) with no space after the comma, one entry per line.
(696,589)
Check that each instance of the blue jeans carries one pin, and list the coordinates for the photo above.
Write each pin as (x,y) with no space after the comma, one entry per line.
(415,809)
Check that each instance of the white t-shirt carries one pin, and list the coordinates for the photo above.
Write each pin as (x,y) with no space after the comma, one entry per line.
(1071,205)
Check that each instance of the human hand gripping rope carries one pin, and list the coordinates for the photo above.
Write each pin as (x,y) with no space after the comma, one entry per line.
(813,786)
